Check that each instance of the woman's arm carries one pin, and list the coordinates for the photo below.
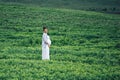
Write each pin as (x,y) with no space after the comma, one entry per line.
(45,38)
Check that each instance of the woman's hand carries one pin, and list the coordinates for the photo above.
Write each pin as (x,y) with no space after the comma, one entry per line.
(48,45)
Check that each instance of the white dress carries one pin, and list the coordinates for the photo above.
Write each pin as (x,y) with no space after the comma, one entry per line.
(45,48)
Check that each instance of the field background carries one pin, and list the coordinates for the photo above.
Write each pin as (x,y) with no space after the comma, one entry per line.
(85,44)
(109,6)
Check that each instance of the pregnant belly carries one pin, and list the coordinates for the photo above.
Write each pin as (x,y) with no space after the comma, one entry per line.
(49,41)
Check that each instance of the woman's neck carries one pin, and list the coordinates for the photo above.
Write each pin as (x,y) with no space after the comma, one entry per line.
(44,32)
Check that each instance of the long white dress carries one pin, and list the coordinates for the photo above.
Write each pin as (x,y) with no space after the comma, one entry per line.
(45,48)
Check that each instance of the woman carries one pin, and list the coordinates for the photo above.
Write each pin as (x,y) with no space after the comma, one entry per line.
(46,42)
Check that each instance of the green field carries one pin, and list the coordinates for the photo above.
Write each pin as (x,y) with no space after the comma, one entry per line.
(85,44)
(109,6)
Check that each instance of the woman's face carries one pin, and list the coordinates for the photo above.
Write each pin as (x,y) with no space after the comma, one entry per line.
(46,30)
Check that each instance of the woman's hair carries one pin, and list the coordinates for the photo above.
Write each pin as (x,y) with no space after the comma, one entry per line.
(44,28)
